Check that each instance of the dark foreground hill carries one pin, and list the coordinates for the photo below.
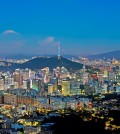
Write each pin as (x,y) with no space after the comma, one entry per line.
(52,62)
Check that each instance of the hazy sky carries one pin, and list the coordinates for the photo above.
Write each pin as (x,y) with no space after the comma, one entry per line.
(79,26)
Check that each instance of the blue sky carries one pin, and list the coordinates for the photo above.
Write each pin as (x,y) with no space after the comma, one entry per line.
(79,26)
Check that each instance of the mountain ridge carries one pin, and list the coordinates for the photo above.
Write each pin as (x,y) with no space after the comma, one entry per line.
(106,55)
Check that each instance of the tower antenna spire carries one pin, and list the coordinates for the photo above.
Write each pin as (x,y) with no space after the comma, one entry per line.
(59,56)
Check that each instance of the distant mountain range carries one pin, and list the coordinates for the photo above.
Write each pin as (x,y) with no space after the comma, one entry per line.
(17,56)
(42,62)
(29,56)
(108,55)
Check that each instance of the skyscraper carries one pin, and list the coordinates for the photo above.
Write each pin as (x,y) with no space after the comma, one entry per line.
(18,77)
(65,87)
(1,84)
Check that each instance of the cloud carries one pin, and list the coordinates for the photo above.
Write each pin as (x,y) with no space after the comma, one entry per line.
(48,45)
(10,32)
(48,40)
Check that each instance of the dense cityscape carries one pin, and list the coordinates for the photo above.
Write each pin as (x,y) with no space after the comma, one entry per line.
(34,101)
(59,67)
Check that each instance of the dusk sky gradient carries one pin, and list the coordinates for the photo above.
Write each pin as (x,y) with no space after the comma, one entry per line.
(80,26)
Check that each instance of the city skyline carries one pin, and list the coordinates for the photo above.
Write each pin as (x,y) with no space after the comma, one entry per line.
(80,27)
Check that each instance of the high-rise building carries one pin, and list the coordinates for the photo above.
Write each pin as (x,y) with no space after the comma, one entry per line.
(36,84)
(28,84)
(32,74)
(1,98)
(50,88)
(25,84)
(105,73)
(65,87)
(26,74)
(1,84)
(18,77)
(105,87)
(10,81)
